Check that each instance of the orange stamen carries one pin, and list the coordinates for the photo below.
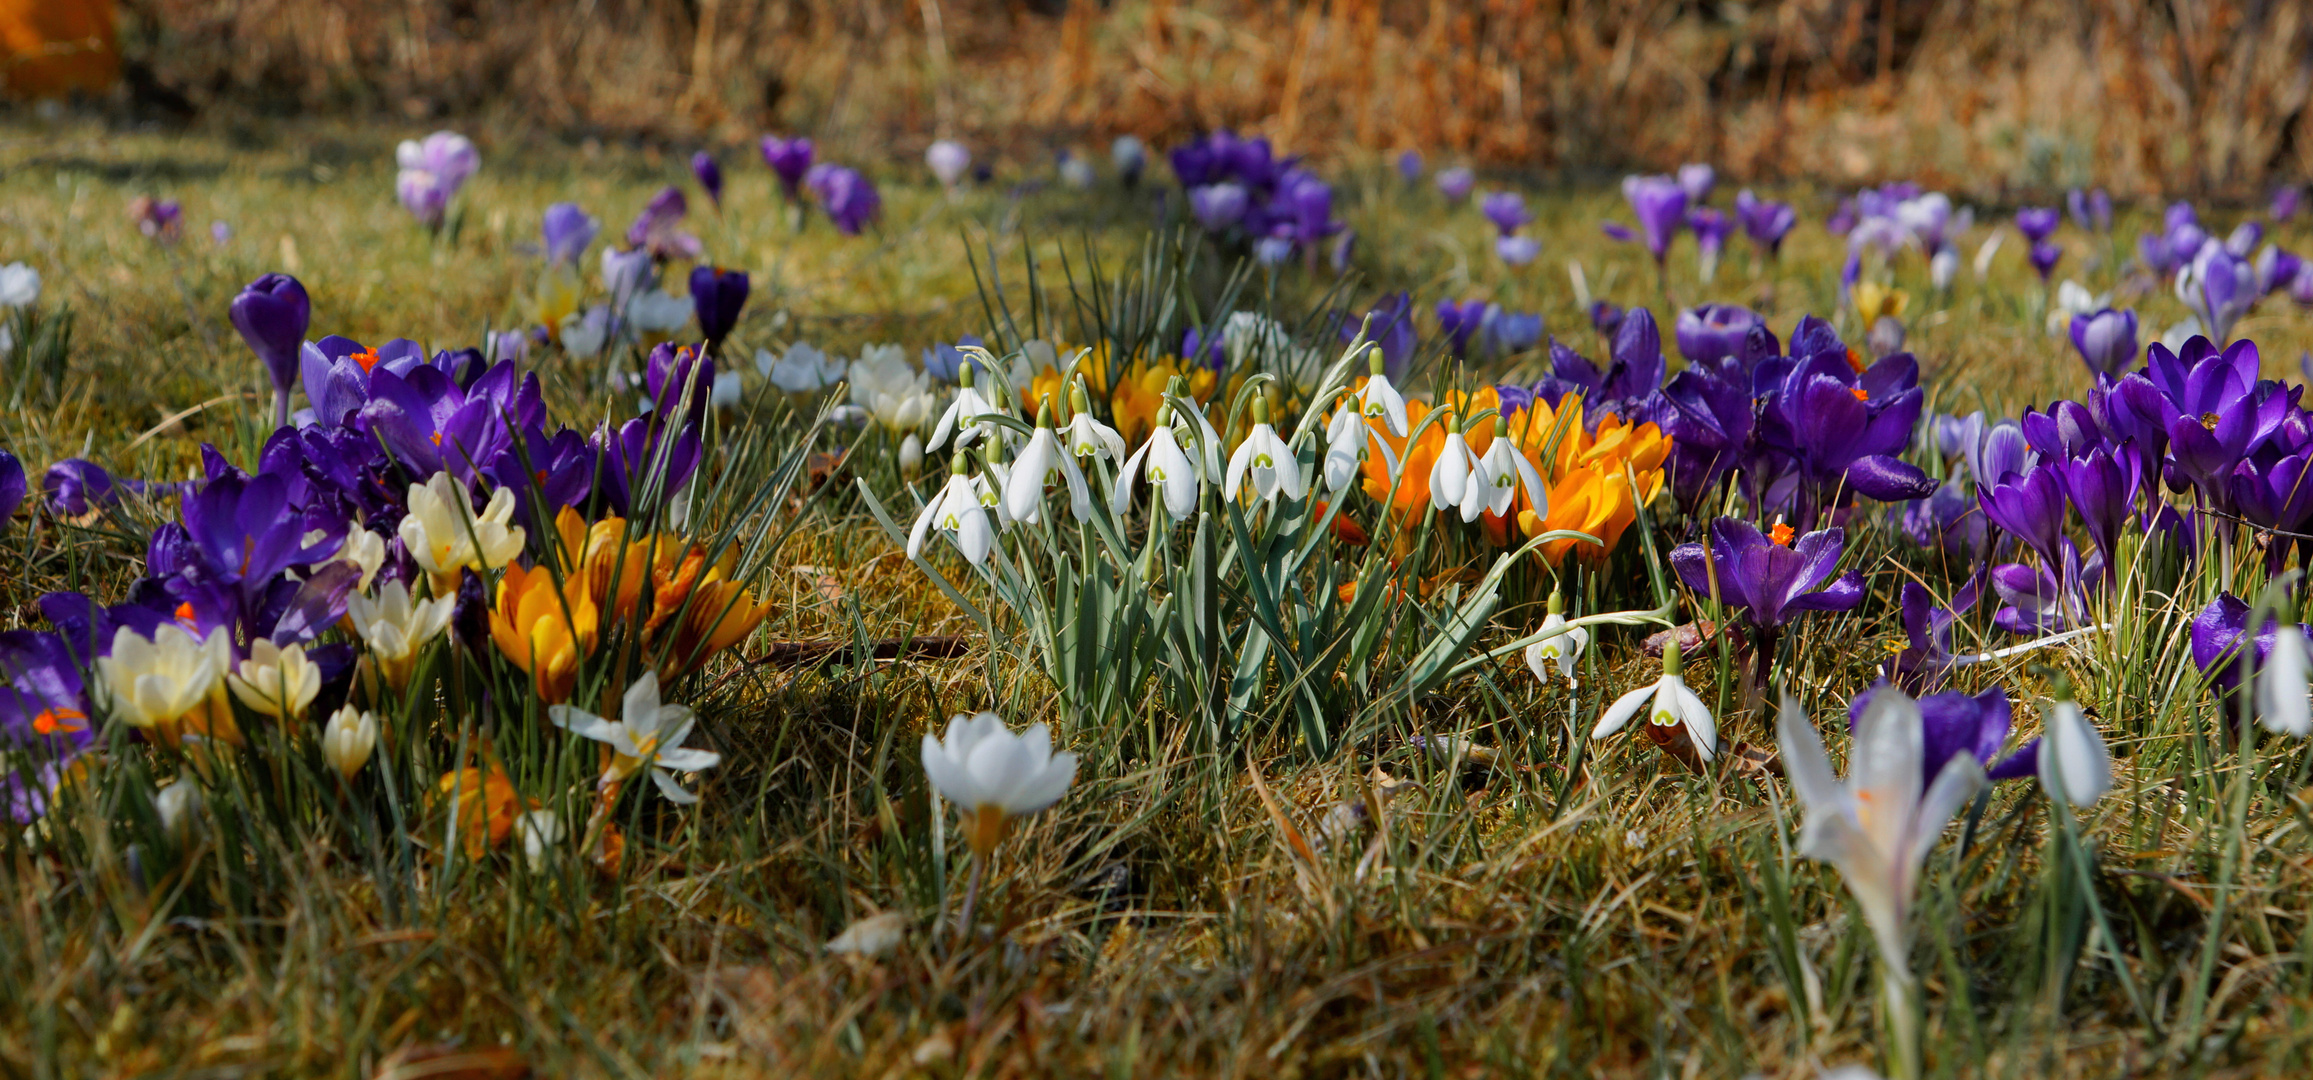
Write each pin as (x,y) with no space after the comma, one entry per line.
(184,613)
(367,358)
(51,721)
(1857,391)
(1781,534)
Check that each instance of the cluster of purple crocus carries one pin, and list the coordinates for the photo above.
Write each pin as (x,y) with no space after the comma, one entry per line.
(1663,205)
(1891,217)
(1239,189)
(848,196)
(1478,328)
(1507,210)
(2221,279)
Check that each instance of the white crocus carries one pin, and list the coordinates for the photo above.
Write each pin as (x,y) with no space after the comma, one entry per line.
(1169,469)
(395,627)
(1379,398)
(962,416)
(958,510)
(347,740)
(1668,704)
(647,735)
(19,285)
(994,776)
(1267,459)
(1500,473)
(584,333)
(725,392)
(2283,702)
(1943,266)
(443,535)
(162,680)
(279,682)
(803,369)
(1452,475)
(365,550)
(886,387)
(1033,469)
(1563,650)
(656,311)
(2073,759)
(1878,825)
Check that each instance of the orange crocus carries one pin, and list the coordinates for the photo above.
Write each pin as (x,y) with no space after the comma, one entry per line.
(542,630)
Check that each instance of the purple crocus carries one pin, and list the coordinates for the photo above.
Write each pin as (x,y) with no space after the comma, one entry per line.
(1460,322)
(12,487)
(1455,183)
(1517,250)
(432,424)
(1842,430)
(1706,334)
(1711,229)
(1773,579)
(2106,341)
(717,295)
(710,176)
(2038,223)
(2285,201)
(2276,268)
(849,198)
(1696,180)
(75,488)
(2219,286)
(790,159)
(272,314)
(1388,325)
(1710,422)
(1507,210)
(2028,506)
(658,228)
(1954,723)
(1947,521)
(423,195)
(2217,645)
(1661,207)
(1766,223)
(1219,206)
(2102,487)
(2091,210)
(1409,166)
(1501,333)
(2043,257)
(567,231)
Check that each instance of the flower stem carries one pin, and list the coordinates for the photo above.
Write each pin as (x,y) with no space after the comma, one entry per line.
(971,896)
(1902,1024)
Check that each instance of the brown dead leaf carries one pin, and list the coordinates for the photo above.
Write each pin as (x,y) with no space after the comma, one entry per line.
(438,1061)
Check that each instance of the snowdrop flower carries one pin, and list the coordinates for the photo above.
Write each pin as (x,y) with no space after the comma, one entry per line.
(1670,706)
(1170,470)
(1499,475)
(2283,703)
(395,628)
(1379,398)
(2074,762)
(170,679)
(276,681)
(1033,469)
(1564,650)
(1345,438)
(19,285)
(911,456)
(1451,476)
(178,803)
(961,418)
(1087,437)
(965,509)
(803,369)
(1877,826)
(1274,467)
(443,535)
(647,735)
(540,831)
(348,739)
(994,776)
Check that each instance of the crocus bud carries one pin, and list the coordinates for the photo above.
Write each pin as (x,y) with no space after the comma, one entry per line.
(13,485)
(710,176)
(949,161)
(347,741)
(717,295)
(272,314)
(911,456)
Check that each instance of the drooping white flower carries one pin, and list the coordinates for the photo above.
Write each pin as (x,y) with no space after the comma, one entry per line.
(647,735)
(1087,437)
(1379,399)
(348,739)
(443,534)
(1033,469)
(1668,704)
(1169,469)
(958,510)
(2284,699)
(993,775)
(1565,650)
(2073,760)
(1345,438)
(276,681)
(1451,476)
(1500,473)
(1877,826)
(1265,457)
(961,418)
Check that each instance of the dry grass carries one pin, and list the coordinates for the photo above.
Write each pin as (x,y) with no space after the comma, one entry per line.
(1606,914)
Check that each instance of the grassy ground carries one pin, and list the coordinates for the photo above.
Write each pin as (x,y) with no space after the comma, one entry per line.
(1603,915)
